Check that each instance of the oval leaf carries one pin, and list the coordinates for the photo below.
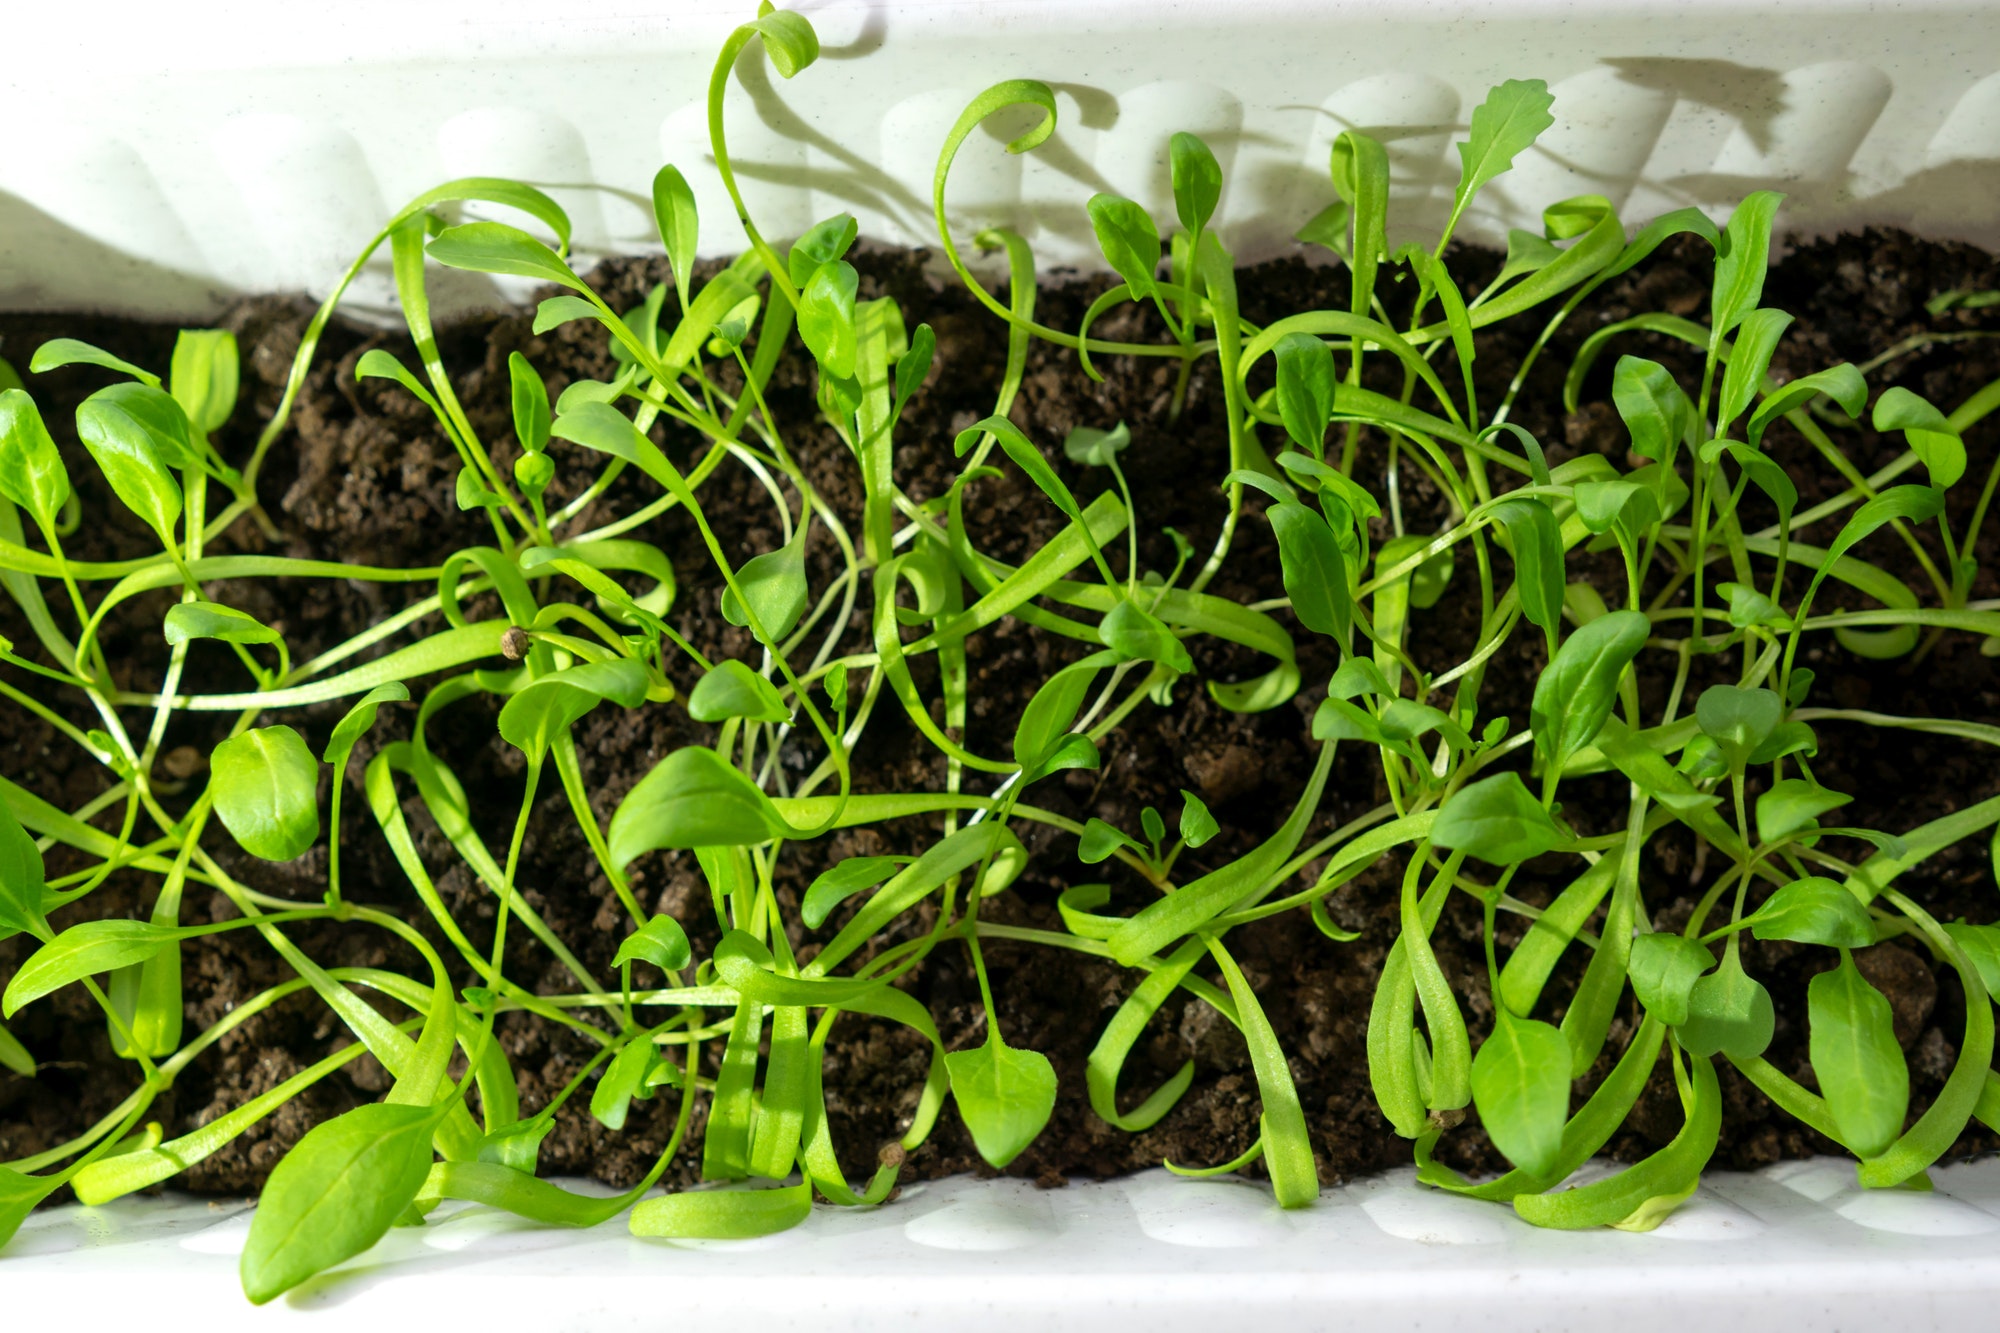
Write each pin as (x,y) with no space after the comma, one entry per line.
(1004,1095)
(213,620)
(266,791)
(732,689)
(692,798)
(1575,692)
(1814,911)
(1861,1070)
(1520,1083)
(32,474)
(1496,820)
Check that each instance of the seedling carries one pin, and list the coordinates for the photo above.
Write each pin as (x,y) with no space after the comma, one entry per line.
(584,619)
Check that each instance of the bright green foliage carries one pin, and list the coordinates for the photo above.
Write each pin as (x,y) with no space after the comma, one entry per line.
(266,788)
(1677,683)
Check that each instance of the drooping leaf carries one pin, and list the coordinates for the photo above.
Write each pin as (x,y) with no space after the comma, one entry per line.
(83,950)
(661,942)
(1520,1084)
(1004,1094)
(1663,969)
(1575,692)
(213,620)
(1861,1070)
(774,585)
(58,352)
(1538,560)
(358,719)
(495,247)
(266,791)
(1140,636)
(1814,910)
(547,706)
(1930,436)
(1729,1011)
(732,689)
(335,1194)
(23,880)
(836,885)
(692,798)
(1196,178)
(726,1214)
(32,474)
(1129,240)
(1792,804)
(1496,820)
(1842,383)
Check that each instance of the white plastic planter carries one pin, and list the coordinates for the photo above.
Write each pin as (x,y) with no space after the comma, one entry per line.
(1796,1247)
(165,157)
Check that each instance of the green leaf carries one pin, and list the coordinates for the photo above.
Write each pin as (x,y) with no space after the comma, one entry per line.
(19,1194)
(1197,824)
(774,585)
(835,886)
(32,474)
(1738,720)
(549,705)
(623,1079)
(1496,820)
(1982,946)
(1197,180)
(360,718)
(531,404)
(335,1194)
(495,247)
(58,352)
(692,798)
(912,366)
(1505,125)
(1096,448)
(1814,910)
(660,942)
(1052,710)
(377,364)
(1756,339)
(1004,1095)
(1520,1084)
(1538,561)
(14,1056)
(1792,804)
(84,950)
(516,1146)
(213,620)
(1129,240)
(1729,1011)
(1099,841)
(1842,383)
(1314,571)
(1915,504)
(204,377)
(1860,1067)
(1138,635)
(552,313)
(731,1214)
(1305,389)
(266,785)
(135,446)
(826,317)
(23,880)
(1931,438)
(1663,969)
(1741,261)
(732,689)
(470,493)
(1575,692)
(680,226)
(823,243)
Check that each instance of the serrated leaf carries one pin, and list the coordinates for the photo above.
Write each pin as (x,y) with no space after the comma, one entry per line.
(1504,126)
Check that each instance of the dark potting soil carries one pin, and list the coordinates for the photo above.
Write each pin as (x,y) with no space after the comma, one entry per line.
(364,475)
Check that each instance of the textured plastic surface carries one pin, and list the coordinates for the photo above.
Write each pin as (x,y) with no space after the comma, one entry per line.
(1794,1247)
(165,155)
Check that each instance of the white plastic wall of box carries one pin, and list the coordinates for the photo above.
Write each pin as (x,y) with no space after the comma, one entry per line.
(1795,1247)
(164,156)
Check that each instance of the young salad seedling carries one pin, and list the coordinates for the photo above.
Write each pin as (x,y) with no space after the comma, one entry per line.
(1331,415)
